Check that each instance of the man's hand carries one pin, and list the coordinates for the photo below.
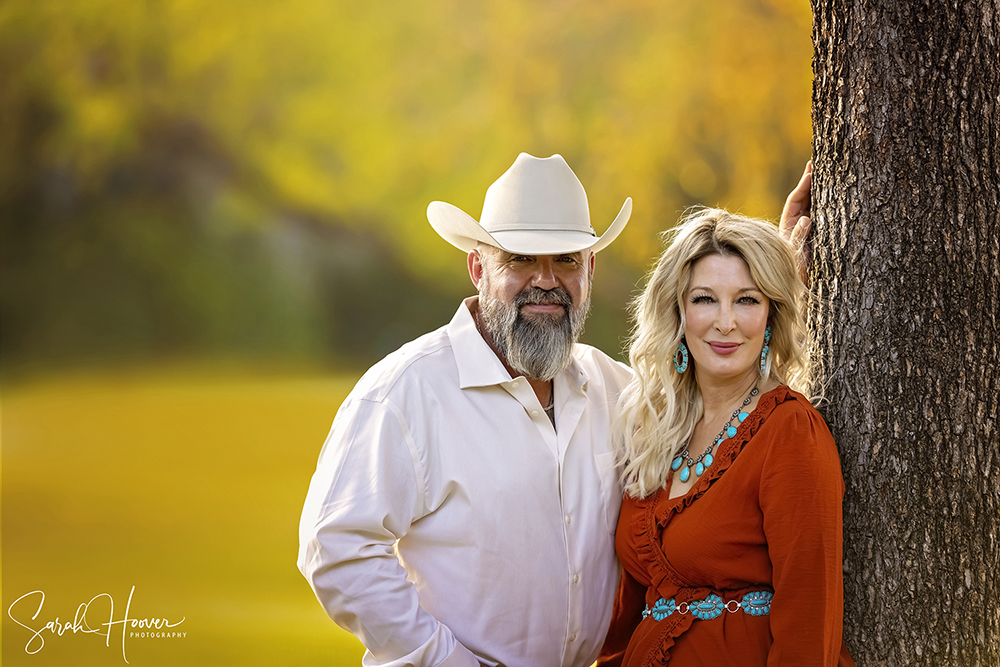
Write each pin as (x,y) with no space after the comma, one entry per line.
(795,222)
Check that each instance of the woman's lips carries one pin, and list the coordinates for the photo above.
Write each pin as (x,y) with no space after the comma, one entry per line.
(723,348)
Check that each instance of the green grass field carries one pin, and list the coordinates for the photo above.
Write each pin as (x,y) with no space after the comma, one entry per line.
(187,487)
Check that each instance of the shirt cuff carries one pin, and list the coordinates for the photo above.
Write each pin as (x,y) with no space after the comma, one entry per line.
(460,657)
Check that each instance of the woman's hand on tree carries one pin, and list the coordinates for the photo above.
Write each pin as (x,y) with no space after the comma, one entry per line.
(795,221)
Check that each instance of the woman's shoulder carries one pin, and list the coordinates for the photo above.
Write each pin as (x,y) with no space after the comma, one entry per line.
(792,414)
(795,442)
(787,402)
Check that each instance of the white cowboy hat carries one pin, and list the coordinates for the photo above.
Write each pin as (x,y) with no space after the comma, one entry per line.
(537,207)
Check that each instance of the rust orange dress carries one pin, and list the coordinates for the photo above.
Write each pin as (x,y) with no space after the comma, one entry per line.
(766,516)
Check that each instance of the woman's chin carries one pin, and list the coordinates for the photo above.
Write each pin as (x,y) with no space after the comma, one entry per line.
(717,372)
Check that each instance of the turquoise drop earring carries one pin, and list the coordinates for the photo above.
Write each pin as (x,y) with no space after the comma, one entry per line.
(767,348)
(681,357)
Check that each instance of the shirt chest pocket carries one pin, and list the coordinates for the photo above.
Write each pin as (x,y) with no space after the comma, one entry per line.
(610,488)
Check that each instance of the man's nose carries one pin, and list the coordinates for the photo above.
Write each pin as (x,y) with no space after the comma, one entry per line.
(545,273)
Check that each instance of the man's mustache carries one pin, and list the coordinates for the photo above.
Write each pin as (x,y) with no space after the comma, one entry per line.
(557,296)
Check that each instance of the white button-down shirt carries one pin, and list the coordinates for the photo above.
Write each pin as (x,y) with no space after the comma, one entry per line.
(448,522)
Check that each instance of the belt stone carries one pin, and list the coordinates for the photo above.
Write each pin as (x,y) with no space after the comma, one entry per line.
(755,603)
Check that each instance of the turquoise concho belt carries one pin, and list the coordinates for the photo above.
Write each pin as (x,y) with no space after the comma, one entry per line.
(755,603)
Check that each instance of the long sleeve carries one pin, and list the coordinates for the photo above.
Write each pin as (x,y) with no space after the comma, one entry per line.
(629,602)
(801,494)
(365,494)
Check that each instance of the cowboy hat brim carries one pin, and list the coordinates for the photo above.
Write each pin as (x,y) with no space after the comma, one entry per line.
(462,231)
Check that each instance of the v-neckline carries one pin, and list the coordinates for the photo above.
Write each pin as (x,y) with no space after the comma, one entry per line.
(727,444)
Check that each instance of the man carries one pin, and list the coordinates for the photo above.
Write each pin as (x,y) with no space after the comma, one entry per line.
(464,505)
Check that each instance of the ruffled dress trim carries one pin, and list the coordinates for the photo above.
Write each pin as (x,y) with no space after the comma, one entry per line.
(648,524)
(665,641)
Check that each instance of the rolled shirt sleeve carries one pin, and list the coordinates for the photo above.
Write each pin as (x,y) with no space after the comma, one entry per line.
(367,491)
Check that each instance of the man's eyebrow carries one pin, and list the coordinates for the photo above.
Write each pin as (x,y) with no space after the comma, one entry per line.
(504,255)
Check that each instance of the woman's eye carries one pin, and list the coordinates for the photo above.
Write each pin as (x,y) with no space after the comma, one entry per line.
(702,298)
(748,300)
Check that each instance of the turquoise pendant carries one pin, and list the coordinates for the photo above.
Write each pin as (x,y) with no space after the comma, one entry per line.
(685,474)
(742,416)
(677,463)
(731,431)
(699,468)
(708,460)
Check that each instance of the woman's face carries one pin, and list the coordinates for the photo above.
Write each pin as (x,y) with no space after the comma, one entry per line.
(726,316)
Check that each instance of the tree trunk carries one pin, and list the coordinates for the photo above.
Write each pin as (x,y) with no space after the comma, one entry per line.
(906,211)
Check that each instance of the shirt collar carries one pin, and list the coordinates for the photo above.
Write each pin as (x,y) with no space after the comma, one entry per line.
(478,365)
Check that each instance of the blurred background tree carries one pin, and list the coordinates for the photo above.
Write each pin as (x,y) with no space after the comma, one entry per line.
(249,179)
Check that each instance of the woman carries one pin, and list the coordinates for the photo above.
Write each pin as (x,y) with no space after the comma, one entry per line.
(730,532)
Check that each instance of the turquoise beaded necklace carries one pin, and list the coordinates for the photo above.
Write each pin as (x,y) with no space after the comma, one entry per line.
(704,460)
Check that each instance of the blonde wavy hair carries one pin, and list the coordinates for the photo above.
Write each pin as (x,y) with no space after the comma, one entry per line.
(658,410)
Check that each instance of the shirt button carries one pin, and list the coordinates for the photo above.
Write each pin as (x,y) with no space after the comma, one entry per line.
(515,384)
(568,520)
(534,413)
(576,578)
(572,637)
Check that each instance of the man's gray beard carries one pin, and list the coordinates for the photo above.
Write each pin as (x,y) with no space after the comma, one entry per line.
(539,347)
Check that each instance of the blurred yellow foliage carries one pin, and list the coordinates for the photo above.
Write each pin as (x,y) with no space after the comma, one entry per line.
(362,113)
(184,485)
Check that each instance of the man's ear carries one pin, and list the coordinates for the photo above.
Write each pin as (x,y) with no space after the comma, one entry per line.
(593,260)
(475,267)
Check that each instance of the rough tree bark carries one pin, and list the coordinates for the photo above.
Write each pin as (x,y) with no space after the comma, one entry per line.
(906,210)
